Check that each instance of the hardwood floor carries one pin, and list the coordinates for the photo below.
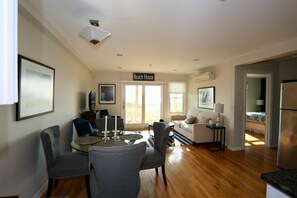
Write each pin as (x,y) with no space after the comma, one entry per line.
(194,171)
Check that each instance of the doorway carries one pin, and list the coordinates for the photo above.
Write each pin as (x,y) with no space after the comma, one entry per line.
(257,109)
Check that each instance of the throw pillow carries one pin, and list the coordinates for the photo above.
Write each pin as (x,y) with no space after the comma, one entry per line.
(190,120)
(204,120)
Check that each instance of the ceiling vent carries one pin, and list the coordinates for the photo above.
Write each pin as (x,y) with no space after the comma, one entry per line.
(210,75)
(93,33)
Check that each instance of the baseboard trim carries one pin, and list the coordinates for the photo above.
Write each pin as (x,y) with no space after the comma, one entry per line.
(235,148)
(41,190)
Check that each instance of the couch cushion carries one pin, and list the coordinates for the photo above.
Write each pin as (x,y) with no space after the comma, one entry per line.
(203,115)
(193,113)
(187,127)
(203,120)
(190,120)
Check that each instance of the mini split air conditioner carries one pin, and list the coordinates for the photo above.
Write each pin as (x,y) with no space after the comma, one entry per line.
(205,76)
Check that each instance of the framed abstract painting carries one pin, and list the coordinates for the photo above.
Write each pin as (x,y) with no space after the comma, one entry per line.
(36,88)
(107,93)
(206,97)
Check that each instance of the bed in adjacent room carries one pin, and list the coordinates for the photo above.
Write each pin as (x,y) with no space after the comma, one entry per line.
(255,122)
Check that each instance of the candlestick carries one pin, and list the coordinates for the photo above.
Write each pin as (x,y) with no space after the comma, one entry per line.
(115,123)
(105,123)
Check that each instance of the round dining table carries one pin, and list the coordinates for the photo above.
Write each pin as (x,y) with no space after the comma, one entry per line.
(122,138)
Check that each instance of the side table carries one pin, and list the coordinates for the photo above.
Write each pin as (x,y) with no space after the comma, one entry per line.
(218,138)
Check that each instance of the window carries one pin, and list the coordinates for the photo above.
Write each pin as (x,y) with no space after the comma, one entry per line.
(176,102)
(177,97)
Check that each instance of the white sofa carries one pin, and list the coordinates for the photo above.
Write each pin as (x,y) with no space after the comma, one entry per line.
(196,132)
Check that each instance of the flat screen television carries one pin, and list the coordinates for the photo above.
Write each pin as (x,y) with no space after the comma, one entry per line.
(92,100)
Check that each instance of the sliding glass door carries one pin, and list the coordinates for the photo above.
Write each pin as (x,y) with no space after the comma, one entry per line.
(153,103)
(142,103)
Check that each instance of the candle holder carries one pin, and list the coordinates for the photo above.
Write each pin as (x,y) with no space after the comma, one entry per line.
(115,136)
(105,138)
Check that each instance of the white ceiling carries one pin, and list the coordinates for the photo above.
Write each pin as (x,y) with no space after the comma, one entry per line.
(166,35)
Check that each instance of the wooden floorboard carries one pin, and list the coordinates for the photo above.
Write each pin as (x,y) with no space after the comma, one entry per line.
(194,171)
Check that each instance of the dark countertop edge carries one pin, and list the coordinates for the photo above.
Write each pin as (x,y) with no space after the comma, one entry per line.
(279,180)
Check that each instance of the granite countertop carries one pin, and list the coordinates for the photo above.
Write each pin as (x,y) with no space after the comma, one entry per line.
(283,180)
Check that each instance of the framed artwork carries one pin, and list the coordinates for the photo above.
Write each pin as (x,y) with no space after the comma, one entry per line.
(36,83)
(107,93)
(206,97)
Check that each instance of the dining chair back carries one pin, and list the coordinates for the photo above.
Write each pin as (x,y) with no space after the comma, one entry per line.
(61,166)
(103,113)
(100,124)
(116,170)
(155,156)
(83,127)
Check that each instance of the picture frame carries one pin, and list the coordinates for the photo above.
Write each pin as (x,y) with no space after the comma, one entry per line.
(107,93)
(36,87)
(206,97)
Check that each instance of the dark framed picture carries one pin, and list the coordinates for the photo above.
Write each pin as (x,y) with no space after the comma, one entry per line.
(206,97)
(36,83)
(107,93)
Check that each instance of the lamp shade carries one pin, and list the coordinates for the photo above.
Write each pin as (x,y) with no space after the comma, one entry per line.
(219,108)
(259,102)
(94,34)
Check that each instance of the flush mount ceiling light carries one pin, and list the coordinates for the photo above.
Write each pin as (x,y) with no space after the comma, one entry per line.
(93,33)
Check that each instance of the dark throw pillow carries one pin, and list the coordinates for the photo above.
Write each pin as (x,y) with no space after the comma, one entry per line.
(190,120)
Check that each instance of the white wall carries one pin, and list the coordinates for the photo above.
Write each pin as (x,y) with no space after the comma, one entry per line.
(22,161)
(253,92)
(120,77)
(227,84)
(224,90)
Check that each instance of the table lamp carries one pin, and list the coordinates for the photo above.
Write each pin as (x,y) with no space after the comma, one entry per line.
(218,108)
(259,103)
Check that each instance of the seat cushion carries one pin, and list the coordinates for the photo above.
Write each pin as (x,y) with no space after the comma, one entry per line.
(70,165)
(152,159)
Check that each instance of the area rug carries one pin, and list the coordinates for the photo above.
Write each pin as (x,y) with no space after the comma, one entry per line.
(179,139)
(175,140)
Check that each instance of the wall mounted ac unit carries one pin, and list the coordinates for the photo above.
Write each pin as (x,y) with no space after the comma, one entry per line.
(205,76)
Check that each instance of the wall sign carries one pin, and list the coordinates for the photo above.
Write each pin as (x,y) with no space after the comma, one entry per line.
(143,76)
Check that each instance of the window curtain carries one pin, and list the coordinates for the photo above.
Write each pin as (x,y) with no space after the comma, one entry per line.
(8,52)
(177,87)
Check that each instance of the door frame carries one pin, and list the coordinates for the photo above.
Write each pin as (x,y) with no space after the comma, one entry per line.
(140,125)
(268,106)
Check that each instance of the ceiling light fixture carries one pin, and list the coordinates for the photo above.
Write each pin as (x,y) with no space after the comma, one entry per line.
(93,33)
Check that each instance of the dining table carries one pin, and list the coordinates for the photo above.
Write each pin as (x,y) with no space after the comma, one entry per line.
(82,143)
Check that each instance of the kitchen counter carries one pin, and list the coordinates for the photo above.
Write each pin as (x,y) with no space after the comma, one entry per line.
(283,180)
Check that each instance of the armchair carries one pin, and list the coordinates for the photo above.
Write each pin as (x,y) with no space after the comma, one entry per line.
(83,127)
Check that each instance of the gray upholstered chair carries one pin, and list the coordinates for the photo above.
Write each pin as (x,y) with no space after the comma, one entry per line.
(62,166)
(83,127)
(155,156)
(115,172)
(100,124)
